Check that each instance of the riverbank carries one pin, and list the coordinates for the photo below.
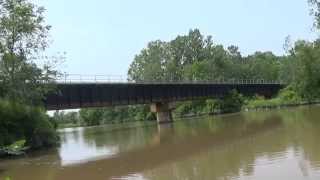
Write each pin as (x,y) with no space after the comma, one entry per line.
(16,149)
(24,127)
(275,103)
(247,108)
(253,105)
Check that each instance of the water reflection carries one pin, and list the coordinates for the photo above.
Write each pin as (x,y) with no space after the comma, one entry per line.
(75,148)
(281,144)
(265,150)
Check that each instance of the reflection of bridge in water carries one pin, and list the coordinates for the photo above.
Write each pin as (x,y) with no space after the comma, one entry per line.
(96,91)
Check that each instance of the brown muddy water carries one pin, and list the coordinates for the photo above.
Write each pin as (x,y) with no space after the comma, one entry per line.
(263,145)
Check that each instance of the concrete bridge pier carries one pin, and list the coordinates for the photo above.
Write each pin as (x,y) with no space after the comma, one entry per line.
(163,110)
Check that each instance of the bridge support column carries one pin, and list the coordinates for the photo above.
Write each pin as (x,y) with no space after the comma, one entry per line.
(163,110)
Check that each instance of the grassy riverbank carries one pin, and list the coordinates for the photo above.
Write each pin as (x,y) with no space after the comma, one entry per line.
(286,98)
(275,103)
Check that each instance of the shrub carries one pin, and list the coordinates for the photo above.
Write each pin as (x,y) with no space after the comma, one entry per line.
(232,102)
(288,95)
(18,121)
(194,107)
(211,106)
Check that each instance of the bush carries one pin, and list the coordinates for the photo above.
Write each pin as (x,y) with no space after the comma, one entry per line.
(21,122)
(286,96)
(260,102)
(211,106)
(92,116)
(195,107)
(232,102)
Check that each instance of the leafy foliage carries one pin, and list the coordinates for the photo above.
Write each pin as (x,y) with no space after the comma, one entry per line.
(286,97)
(23,36)
(231,103)
(196,107)
(196,57)
(24,122)
(307,57)
(110,115)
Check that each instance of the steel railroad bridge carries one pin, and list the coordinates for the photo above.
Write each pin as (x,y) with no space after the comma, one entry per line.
(99,91)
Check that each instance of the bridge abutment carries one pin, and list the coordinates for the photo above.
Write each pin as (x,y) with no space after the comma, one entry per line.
(163,110)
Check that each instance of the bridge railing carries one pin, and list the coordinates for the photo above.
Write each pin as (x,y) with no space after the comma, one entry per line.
(80,78)
(97,79)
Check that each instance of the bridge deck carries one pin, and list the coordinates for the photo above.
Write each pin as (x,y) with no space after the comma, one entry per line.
(84,95)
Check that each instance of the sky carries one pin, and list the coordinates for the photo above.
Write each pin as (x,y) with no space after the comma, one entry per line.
(103,36)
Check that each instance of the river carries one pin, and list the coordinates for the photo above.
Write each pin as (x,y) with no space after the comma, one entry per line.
(275,144)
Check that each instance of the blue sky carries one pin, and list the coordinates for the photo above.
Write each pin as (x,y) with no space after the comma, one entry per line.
(103,36)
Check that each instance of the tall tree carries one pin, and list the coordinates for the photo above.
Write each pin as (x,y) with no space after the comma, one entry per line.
(23,36)
(307,57)
(188,57)
(150,63)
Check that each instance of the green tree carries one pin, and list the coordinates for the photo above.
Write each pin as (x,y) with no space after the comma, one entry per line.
(149,64)
(232,102)
(184,58)
(18,122)
(307,57)
(66,118)
(263,65)
(23,36)
(91,117)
